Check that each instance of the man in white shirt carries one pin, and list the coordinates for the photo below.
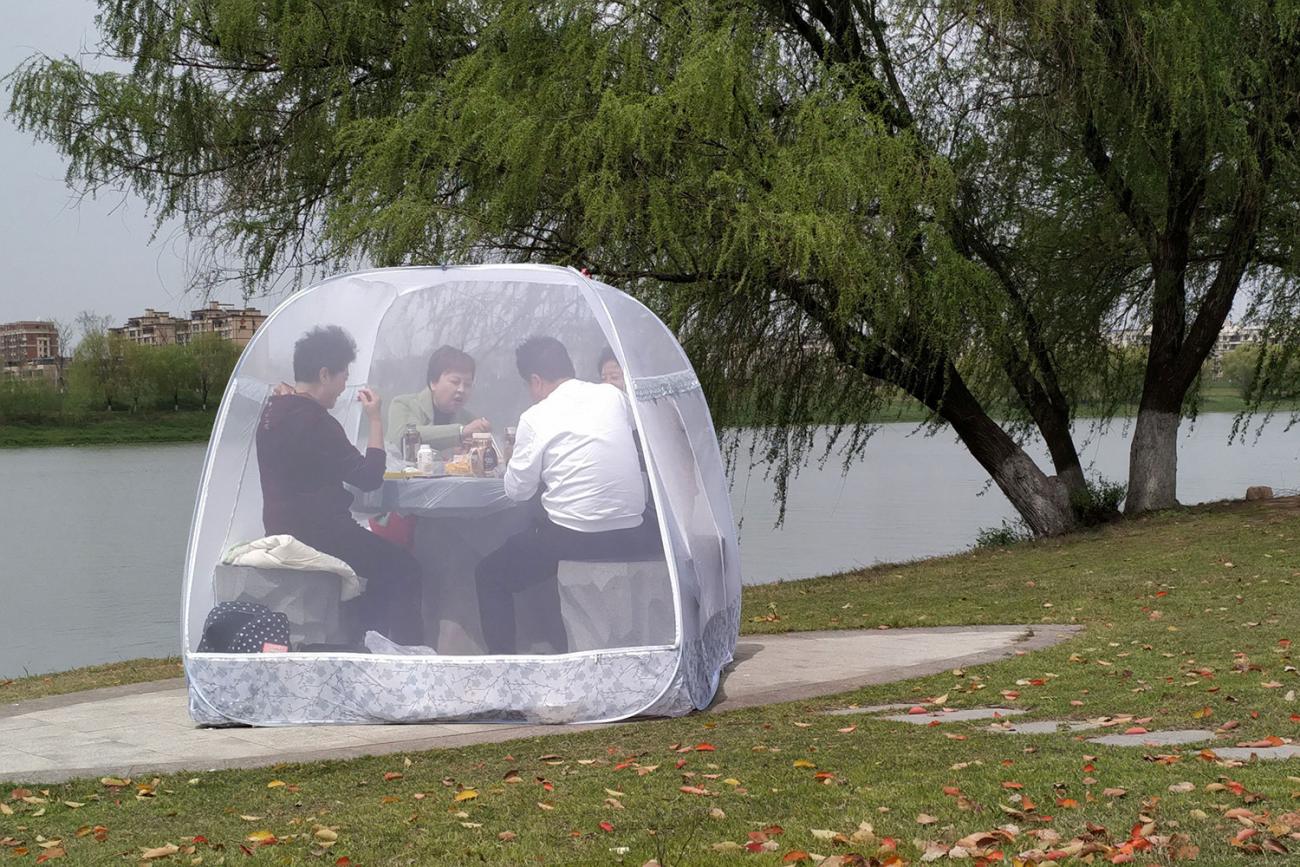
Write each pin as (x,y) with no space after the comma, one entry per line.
(575,445)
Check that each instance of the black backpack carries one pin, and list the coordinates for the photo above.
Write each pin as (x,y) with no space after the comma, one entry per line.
(244,627)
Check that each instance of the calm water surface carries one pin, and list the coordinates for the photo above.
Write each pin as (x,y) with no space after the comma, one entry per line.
(92,540)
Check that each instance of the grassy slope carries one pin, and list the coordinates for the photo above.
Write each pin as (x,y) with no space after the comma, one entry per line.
(1188,617)
(90,677)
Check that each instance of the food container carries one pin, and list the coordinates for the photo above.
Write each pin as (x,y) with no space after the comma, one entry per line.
(483,455)
(459,466)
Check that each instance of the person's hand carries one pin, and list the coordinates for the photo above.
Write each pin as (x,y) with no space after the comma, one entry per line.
(370,402)
(478,425)
(282,389)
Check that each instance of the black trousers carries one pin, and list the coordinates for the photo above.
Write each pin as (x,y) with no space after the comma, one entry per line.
(391,603)
(532,557)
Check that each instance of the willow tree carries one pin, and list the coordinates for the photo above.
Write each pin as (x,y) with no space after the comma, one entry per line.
(782,181)
(1186,113)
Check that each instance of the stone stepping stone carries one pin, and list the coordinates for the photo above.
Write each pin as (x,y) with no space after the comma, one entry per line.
(875,708)
(925,719)
(1267,754)
(1168,738)
(1043,727)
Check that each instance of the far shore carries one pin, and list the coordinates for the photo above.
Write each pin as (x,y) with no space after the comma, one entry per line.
(195,426)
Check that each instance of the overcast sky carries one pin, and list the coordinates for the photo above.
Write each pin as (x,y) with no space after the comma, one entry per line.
(63,256)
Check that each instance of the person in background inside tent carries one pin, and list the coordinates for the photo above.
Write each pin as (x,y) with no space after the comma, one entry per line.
(611,372)
(438,410)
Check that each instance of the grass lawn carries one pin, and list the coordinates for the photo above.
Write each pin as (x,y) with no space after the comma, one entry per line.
(90,677)
(1189,619)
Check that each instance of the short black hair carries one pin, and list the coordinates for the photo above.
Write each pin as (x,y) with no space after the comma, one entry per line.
(546,357)
(327,346)
(606,356)
(447,358)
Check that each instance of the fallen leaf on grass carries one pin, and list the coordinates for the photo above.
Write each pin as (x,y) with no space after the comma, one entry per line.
(507,836)
(166,851)
(51,854)
(1182,788)
(925,819)
(466,795)
(389,776)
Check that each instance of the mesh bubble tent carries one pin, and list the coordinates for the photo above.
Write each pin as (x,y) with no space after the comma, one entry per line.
(643,638)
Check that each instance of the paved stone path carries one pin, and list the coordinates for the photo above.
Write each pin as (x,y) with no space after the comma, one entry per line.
(146,728)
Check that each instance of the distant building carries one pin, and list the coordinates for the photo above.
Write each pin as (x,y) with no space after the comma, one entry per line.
(159,328)
(30,350)
(227,321)
(1232,336)
(28,342)
(154,328)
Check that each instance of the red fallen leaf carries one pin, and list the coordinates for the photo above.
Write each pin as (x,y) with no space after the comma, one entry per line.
(774,830)
(51,854)
(1089,768)
(917,709)
(1012,784)
(705,748)
(1135,730)
(1295,717)
(344,861)
(951,791)
(1162,593)
(1235,787)
(389,776)
(1038,681)
(1010,694)
(199,839)
(797,856)
(681,763)
(1270,741)
(754,846)
(1067,803)
(606,826)
(693,790)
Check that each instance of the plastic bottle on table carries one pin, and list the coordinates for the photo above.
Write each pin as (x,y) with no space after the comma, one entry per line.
(411,445)
(424,460)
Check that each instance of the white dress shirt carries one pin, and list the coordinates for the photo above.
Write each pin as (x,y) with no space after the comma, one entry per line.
(578,444)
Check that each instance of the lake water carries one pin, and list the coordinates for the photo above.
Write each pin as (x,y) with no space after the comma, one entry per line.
(92,540)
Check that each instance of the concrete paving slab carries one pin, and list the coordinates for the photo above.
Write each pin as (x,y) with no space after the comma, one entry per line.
(145,728)
(1266,754)
(873,708)
(952,716)
(1170,738)
(1042,727)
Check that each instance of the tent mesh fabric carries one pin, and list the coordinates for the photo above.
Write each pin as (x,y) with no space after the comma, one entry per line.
(604,638)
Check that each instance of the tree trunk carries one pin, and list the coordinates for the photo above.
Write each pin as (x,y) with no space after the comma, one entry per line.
(1042,500)
(1153,462)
